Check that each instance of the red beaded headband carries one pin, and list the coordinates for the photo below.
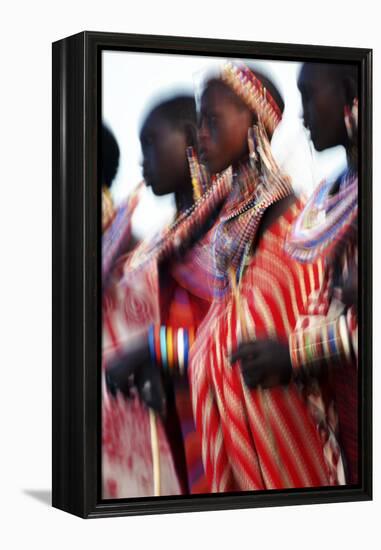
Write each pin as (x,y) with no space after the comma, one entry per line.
(251,90)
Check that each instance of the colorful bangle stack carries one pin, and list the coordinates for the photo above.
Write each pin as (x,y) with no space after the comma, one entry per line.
(169,348)
(320,345)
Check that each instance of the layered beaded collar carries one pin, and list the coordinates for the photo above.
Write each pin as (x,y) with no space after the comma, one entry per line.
(257,185)
(327,220)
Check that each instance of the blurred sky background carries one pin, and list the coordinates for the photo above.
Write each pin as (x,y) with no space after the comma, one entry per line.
(133,83)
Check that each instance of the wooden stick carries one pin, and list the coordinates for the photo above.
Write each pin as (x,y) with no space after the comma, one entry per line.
(155,454)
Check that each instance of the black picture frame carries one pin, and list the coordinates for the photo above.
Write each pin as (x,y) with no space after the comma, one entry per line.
(76,272)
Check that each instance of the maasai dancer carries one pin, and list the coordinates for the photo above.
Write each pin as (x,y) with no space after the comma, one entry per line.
(148,296)
(325,342)
(169,146)
(252,438)
(324,235)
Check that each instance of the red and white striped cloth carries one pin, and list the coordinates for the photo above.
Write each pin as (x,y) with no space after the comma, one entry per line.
(324,343)
(258,439)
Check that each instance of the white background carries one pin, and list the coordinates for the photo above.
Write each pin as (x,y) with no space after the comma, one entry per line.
(27,521)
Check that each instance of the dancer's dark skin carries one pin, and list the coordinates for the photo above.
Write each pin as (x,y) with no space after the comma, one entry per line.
(165,166)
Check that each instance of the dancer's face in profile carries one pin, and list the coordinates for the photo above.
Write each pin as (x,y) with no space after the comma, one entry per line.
(164,163)
(223,127)
(323,98)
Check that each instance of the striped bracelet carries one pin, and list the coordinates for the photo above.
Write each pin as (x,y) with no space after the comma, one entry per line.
(319,345)
(169,347)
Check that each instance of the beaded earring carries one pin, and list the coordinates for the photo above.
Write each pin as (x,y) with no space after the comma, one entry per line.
(351,122)
(108,210)
(198,174)
(194,173)
(351,119)
(252,148)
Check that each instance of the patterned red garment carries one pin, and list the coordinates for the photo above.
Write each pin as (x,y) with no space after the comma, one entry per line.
(327,229)
(186,292)
(133,302)
(181,308)
(257,439)
(127,470)
(127,465)
(335,356)
(116,234)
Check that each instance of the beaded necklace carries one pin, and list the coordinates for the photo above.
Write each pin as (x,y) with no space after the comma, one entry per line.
(326,221)
(256,186)
(185,225)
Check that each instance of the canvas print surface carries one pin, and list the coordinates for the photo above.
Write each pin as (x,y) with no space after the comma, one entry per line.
(229,275)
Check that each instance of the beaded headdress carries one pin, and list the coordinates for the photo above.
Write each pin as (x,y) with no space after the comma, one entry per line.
(253,93)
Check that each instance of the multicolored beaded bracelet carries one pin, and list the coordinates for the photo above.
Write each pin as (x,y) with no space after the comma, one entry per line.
(169,347)
(320,345)
(163,347)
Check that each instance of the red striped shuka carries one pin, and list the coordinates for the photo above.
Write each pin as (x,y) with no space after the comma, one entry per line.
(257,439)
(325,340)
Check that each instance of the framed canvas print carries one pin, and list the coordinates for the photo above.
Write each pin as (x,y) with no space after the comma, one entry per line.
(211,274)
